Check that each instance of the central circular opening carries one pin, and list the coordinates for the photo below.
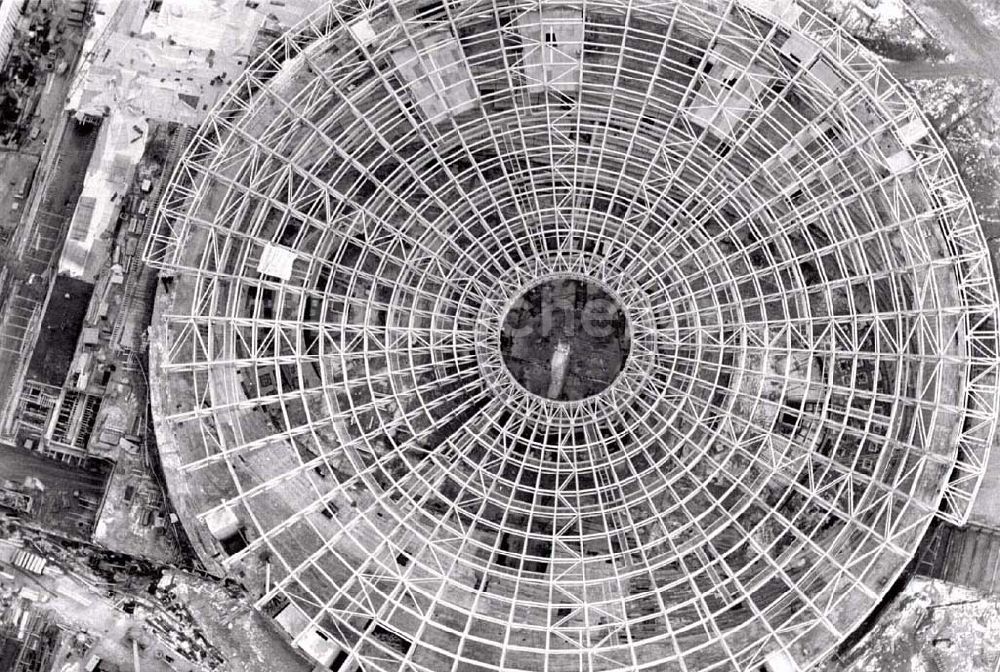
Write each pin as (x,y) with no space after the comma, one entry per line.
(565,339)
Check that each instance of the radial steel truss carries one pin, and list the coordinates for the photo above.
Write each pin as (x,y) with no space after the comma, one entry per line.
(811,376)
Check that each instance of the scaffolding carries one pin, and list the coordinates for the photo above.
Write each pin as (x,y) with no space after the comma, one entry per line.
(810,377)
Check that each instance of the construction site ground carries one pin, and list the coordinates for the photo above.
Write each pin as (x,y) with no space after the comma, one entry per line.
(134,518)
(103,605)
(244,636)
(68,503)
(83,608)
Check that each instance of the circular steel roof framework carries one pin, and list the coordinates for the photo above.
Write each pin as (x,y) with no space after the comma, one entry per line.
(810,376)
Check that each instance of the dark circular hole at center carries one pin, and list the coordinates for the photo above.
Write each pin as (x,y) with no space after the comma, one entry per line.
(565,339)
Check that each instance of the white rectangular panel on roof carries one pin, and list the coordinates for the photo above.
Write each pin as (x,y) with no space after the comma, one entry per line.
(222,523)
(319,648)
(828,76)
(912,132)
(436,75)
(362,31)
(900,162)
(802,139)
(799,47)
(727,63)
(720,108)
(276,261)
(780,661)
(292,619)
(552,47)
